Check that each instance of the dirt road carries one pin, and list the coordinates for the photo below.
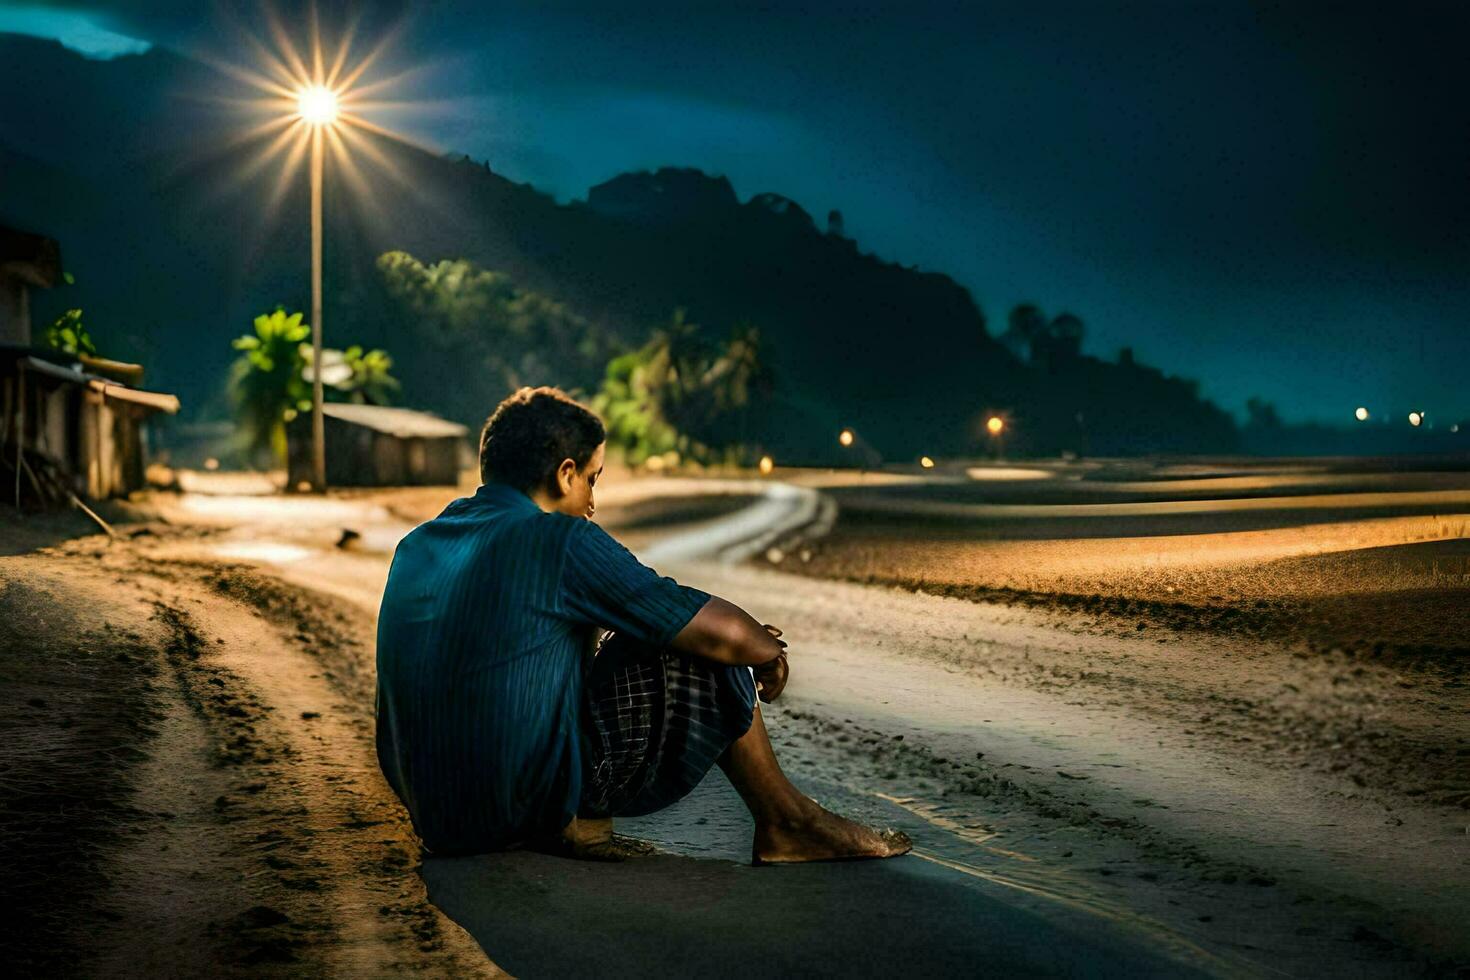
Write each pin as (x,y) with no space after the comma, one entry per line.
(199,795)
(186,742)
(1271,807)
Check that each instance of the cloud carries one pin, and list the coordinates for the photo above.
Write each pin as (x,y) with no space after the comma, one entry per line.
(77,29)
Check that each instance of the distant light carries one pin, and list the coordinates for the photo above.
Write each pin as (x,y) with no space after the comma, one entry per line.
(845,437)
(1415,418)
(926,462)
(767,465)
(317,104)
(211,464)
(1455,427)
(1008,473)
(1361,414)
(995,425)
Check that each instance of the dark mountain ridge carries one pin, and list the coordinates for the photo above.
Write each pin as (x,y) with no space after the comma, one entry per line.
(177,242)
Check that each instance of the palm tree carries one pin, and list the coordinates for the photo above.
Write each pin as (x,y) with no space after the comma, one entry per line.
(370,383)
(266,382)
(67,334)
(679,392)
(1025,326)
(1066,333)
(352,375)
(738,373)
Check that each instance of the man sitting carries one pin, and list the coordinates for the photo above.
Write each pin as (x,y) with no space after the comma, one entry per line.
(502,721)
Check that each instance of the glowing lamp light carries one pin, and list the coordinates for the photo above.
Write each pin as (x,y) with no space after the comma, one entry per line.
(317,104)
(1361,414)
(314,98)
(995,425)
(845,437)
(1416,418)
(767,465)
(926,462)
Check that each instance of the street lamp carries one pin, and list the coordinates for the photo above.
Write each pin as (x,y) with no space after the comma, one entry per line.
(1416,418)
(316,98)
(1361,414)
(996,426)
(866,454)
(317,107)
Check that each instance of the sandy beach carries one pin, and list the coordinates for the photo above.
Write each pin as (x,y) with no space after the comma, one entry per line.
(191,780)
(197,790)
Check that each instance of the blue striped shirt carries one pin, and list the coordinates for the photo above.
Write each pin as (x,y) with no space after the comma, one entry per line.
(488,623)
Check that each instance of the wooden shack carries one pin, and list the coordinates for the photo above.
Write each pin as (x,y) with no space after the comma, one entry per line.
(66,428)
(374,446)
(27,262)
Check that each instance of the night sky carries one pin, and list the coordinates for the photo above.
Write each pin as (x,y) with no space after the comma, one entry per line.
(1272,199)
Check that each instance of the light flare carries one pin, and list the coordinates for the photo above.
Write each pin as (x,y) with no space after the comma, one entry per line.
(317,104)
(296,80)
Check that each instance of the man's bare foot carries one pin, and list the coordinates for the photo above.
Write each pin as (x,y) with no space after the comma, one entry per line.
(591,840)
(824,836)
(615,848)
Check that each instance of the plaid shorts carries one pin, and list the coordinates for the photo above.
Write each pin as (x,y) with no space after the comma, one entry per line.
(654,722)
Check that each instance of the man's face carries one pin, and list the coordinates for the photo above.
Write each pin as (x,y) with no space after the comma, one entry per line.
(577,486)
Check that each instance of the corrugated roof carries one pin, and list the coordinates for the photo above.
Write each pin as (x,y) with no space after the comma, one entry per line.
(68,372)
(401,422)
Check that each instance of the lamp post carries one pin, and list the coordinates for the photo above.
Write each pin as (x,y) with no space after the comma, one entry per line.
(317,106)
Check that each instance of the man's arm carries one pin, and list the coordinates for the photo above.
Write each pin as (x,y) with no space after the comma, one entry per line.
(604,585)
(723,632)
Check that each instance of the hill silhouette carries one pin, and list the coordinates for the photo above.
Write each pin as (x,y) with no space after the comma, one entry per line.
(176,243)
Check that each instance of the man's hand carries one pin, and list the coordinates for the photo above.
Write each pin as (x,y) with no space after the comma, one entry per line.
(723,632)
(771,676)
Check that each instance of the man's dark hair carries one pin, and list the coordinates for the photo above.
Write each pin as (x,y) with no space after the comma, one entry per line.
(531,432)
